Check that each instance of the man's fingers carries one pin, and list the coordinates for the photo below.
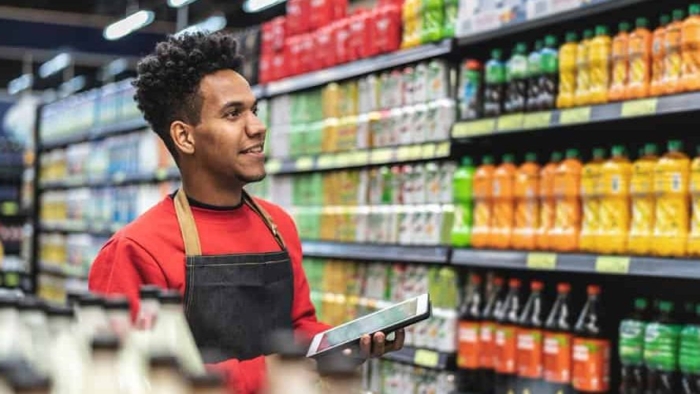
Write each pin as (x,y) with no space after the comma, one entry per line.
(379,345)
(400,338)
(365,346)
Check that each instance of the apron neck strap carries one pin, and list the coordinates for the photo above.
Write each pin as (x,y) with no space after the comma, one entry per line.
(188,228)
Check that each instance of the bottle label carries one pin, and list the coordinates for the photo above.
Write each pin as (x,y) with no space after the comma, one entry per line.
(642,216)
(661,346)
(469,352)
(672,216)
(632,342)
(591,365)
(689,355)
(529,353)
(557,357)
(486,345)
(506,349)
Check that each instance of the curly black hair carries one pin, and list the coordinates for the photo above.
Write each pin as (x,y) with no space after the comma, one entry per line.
(167,82)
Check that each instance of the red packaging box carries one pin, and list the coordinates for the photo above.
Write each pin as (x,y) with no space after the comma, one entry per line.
(340,9)
(265,68)
(324,51)
(278,27)
(293,55)
(386,29)
(307,53)
(278,66)
(342,36)
(267,38)
(321,13)
(383,3)
(297,12)
(360,41)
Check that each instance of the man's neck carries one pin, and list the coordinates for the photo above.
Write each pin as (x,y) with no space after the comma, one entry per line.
(209,192)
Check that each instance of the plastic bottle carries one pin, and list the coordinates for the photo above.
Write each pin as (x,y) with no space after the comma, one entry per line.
(103,375)
(591,351)
(506,339)
(547,202)
(694,234)
(164,375)
(673,66)
(567,187)
(631,348)
(583,73)
(689,354)
(534,71)
(620,63)
(558,344)
(661,340)
(590,201)
(690,46)
(527,203)
(599,64)
(640,57)
(468,337)
(494,89)
(463,196)
(671,175)
(503,203)
(487,334)
(568,56)
(516,75)
(658,49)
(643,202)
(615,203)
(208,383)
(549,76)
(471,91)
(483,203)
(529,342)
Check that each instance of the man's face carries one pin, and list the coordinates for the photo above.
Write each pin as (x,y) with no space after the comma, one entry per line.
(229,137)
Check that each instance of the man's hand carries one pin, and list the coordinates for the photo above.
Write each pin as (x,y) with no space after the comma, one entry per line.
(377,345)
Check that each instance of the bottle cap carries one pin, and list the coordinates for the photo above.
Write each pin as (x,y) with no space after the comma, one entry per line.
(666,306)
(697,309)
(538,45)
(694,9)
(587,34)
(472,64)
(640,303)
(488,159)
(514,282)
(163,360)
(624,26)
(475,279)
(170,297)
(675,145)
(571,37)
(117,303)
(90,299)
(550,41)
(650,149)
(598,153)
(149,292)
(72,297)
(642,23)
(209,380)
(563,287)
(103,341)
(555,157)
(53,310)
(508,158)
(521,48)
(618,150)
(531,157)
(497,54)
(593,289)
(678,15)
(27,380)
(601,30)
(467,161)
(498,281)
(572,153)
(664,20)
(536,285)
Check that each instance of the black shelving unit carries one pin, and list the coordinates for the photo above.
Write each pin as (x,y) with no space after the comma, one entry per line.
(376,252)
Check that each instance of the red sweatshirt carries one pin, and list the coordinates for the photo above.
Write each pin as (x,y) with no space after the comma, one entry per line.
(150,250)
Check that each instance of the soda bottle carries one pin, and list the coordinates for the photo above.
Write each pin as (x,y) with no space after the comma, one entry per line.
(462,183)
(689,357)
(503,203)
(516,75)
(583,73)
(671,175)
(506,340)
(549,73)
(615,203)
(673,66)
(529,354)
(690,46)
(526,203)
(468,337)
(620,63)
(643,201)
(640,55)
(483,203)
(487,334)
(494,89)
(590,200)
(661,340)
(534,71)
(558,344)
(547,202)
(631,347)
(599,64)
(658,49)
(470,103)
(591,351)
(694,235)
(567,185)
(568,56)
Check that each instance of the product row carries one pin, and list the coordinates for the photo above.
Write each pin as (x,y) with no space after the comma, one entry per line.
(73,253)
(394,378)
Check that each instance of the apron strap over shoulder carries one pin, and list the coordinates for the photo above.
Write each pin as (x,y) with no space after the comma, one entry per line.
(248,199)
(187,225)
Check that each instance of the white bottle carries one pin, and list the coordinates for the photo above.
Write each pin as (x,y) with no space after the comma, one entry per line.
(91,317)
(288,369)
(10,328)
(209,383)
(165,375)
(67,358)
(103,373)
(35,329)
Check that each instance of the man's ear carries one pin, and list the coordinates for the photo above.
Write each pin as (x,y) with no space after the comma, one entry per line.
(182,136)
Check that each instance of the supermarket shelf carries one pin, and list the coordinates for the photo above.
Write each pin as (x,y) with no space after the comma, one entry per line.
(116,179)
(390,253)
(62,271)
(12,249)
(377,156)
(358,68)
(681,103)
(77,227)
(423,358)
(259,91)
(96,133)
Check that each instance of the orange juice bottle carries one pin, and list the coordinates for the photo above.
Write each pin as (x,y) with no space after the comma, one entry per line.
(620,63)
(590,201)
(658,49)
(694,236)
(640,61)
(691,49)
(615,203)
(643,202)
(567,71)
(483,203)
(599,65)
(547,202)
(671,175)
(583,73)
(673,65)
(527,203)
(503,204)
(567,187)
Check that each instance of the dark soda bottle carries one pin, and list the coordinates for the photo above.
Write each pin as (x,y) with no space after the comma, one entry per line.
(591,352)
(661,351)
(631,348)
(549,73)
(689,357)
(487,331)
(557,345)
(534,71)
(529,355)
(494,89)
(516,77)
(468,337)
(507,321)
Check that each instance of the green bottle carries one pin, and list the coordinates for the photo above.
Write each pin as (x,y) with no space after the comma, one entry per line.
(661,340)
(463,195)
(631,346)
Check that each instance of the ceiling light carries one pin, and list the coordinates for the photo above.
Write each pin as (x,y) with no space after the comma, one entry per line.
(209,25)
(128,25)
(179,3)
(54,65)
(20,83)
(251,6)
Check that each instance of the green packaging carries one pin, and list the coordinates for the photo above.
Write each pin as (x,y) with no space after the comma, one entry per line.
(433,20)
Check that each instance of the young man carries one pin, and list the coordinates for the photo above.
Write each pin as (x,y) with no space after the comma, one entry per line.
(236,259)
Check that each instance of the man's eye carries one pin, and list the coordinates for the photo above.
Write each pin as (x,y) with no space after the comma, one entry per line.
(233,114)
(255,110)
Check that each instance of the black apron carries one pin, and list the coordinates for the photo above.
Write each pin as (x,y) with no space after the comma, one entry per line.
(234,302)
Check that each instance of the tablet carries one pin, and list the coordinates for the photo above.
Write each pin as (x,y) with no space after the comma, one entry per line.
(386,320)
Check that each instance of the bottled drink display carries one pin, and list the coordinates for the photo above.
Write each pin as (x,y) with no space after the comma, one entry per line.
(632,334)
(506,345)
(529,356)
(661,339)
(557,343)
(591,348)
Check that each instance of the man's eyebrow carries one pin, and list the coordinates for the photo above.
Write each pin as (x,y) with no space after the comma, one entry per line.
(237,104)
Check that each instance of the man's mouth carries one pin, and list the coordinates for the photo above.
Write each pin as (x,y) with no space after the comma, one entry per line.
(254,149)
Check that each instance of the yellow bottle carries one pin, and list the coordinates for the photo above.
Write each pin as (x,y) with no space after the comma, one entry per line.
(599,58)
(615,203)
(694,236)
(671,175)
(590,198)
(643,202)
(567,71)
(583,76)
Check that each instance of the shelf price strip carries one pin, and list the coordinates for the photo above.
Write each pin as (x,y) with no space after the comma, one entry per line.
(537,120)
(542,261)
(474,128)
(426,358)
(612,265)
(639,107)
(510,122)
(575,115)
(304,163)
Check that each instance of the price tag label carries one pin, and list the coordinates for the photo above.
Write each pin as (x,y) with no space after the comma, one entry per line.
(639,107)
(353,300)
(326,161)
(510,122)
(542,261)
(9,208)
(537,120)
(359,158)
(161,174)
(304,163)
(11,279)
(381,156)
(426,358)
(119,177)
(415,152)
(273,166)
(575,115)
(442,150)
(473,128)
(612,264)
(428,151)
(403,153)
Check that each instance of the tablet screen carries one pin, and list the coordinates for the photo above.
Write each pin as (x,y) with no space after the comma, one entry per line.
(369,324)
